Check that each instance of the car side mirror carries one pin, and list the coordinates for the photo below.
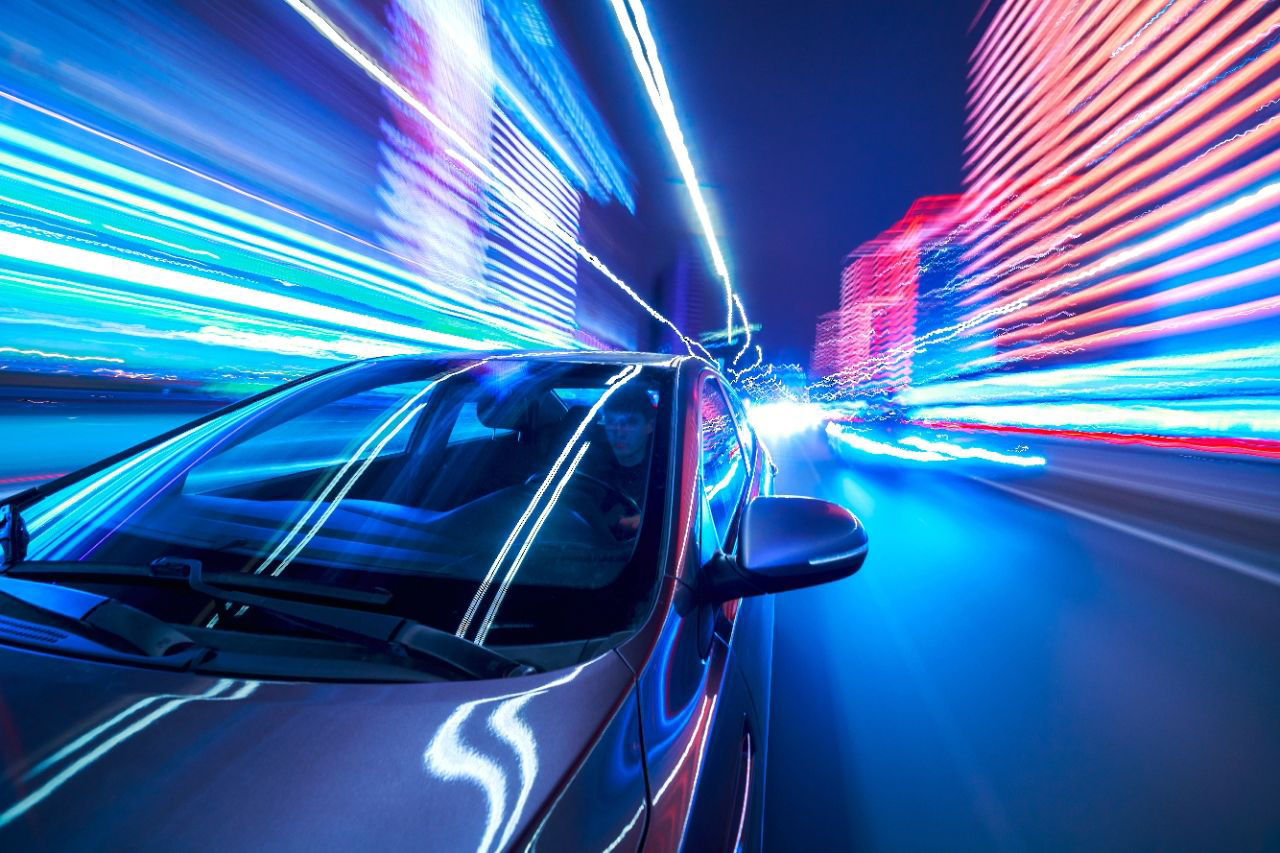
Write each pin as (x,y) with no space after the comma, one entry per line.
(787,542)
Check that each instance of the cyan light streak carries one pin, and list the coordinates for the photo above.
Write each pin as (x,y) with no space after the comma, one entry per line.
(59,526)
(914,448)
(1252,417)
(947,448)
(1248,370)
(173,157)
(469,158)
(58,256)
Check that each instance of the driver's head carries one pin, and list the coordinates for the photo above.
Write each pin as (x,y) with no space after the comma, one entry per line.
(628,420)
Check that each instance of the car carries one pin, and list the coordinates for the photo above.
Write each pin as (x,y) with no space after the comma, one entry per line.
(465,602)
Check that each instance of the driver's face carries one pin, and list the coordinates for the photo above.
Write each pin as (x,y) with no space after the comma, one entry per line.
(628,434)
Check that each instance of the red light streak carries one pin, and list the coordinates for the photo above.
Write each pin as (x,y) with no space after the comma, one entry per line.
(1173,296)
(979,161)
(1265,448)
(1182,134)
(33,478)
(1256,310)
(1050,154)
(1180,206)
(1052,83)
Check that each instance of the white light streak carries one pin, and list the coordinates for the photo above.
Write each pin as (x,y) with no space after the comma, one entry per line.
(482,633)
(982,453)
(644,52)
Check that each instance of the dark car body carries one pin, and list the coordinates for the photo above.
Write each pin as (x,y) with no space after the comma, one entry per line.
(657,741)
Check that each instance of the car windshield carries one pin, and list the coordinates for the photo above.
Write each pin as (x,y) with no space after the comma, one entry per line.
(502,499)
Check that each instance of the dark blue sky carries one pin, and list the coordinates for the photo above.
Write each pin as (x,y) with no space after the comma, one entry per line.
(814,125)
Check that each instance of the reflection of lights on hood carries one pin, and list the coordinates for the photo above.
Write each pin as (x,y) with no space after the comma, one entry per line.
(922,450)
(218,692)
(451,758)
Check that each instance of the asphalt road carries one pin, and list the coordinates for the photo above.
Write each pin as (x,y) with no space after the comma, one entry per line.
(1086,662)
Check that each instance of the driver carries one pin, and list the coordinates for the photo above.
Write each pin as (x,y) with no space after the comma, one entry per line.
(628,419)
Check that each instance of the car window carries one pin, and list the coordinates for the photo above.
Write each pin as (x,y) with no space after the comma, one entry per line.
(398,477)
(745,435)
(325,436)
(468,426)
(724,470)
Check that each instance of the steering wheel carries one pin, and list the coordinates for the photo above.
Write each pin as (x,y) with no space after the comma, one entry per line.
(626,499)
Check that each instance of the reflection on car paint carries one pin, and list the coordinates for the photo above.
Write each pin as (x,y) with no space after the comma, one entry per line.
(451,759)
(218,692)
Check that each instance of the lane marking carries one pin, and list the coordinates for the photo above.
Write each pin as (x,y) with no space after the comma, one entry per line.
(1198,553)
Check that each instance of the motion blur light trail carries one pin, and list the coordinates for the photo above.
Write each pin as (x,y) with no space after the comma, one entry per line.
(634,21)
(913,448)
(219,199)
(957,451)
(1112,266)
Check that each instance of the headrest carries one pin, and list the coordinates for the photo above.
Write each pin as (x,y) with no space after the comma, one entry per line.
(523,412)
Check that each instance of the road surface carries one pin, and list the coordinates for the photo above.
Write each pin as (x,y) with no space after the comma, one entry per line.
(1086,660)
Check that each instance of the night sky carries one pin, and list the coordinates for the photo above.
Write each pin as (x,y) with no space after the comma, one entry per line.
(813,125)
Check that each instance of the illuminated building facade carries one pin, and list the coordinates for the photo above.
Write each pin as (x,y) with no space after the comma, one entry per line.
(1131,281)
(873,334)
(825,359)
(504,240)
(252,192)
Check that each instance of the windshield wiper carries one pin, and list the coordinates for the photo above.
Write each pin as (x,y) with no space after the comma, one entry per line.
(112,625)
(381,630)
(176,570)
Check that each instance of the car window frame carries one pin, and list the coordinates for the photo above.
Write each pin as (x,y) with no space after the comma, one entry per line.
(727,542)
(739,413)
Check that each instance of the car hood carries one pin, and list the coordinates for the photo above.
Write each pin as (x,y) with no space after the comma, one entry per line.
(98,756)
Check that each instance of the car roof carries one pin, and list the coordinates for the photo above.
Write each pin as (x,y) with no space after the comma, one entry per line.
(653,359)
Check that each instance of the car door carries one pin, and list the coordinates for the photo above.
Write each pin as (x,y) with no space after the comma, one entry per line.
(747,625)
(697,715)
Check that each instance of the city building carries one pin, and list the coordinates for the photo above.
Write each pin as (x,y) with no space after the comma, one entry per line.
(868,344)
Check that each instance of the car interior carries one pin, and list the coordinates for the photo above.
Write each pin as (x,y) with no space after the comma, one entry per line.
(425,521)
